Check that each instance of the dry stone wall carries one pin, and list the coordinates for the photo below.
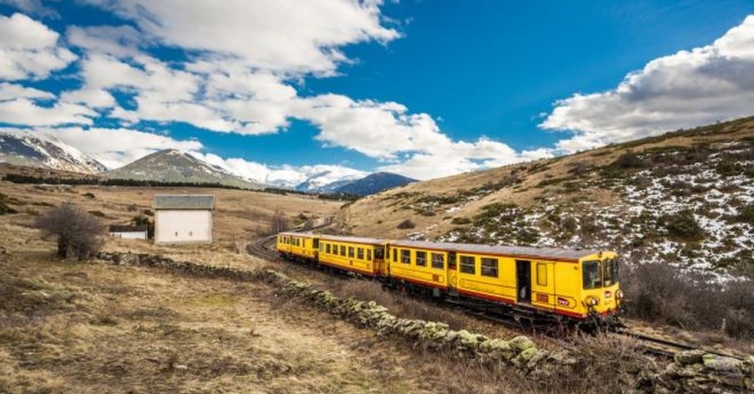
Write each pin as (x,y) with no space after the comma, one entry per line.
(690,372)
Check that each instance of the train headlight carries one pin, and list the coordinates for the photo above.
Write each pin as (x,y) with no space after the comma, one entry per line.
(592,301)
(619,294)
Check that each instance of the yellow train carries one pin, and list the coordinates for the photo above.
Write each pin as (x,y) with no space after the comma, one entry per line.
(565,284)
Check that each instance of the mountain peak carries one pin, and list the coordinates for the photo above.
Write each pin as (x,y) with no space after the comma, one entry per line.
(171,165)
(25,148)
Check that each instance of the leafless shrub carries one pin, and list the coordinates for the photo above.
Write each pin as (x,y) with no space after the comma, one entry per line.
(278,223)
(660,293)
(79,234)
(607,362)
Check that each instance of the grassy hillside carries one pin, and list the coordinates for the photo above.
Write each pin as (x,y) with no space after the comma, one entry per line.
(686,197)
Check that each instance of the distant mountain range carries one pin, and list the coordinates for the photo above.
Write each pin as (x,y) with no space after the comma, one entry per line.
(27,149)
(373,184)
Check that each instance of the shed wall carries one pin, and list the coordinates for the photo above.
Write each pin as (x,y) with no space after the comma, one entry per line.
(180,226)
(129,235)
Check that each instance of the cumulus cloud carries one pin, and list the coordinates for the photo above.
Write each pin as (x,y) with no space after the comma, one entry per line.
(34,7)
(689,88)
(278,35)
(25,112)
(9,91)
(285,175)
(29,49)
(117,147)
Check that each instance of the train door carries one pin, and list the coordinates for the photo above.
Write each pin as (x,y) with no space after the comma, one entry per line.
(523,281)
(543,285)
(315,247)
(452,271)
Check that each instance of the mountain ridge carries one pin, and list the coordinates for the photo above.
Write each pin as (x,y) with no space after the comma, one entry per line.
(37,150)
(172,165)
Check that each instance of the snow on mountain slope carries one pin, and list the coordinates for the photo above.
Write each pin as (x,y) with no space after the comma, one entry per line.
(36,150)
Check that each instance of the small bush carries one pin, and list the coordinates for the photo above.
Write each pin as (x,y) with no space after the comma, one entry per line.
(461,221)
(682,225)
(406,224)
(630,160)
(98,214)
(746,214)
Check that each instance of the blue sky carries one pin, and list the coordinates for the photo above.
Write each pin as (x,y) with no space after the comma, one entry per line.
(279,90)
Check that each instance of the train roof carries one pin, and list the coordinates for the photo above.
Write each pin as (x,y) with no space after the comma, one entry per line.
(523,251)
(337,238)
(298,234)
(358,240)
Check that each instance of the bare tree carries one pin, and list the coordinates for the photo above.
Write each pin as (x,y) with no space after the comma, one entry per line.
(79,234)
(279,223)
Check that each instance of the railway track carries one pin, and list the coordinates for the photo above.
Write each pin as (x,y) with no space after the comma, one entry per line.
(651,346)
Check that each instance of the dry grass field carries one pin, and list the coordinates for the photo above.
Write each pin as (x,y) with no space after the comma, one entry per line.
(69,327)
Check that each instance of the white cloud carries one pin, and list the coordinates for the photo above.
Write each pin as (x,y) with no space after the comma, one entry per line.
(31,7)
(117,147)
(26,112)
(9,91)
(29,49)
(279,35)
(689,88)
(286,175)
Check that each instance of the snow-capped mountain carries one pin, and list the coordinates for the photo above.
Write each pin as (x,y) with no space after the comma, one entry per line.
(36,150)
(327,181)
(175,166)
(373,184)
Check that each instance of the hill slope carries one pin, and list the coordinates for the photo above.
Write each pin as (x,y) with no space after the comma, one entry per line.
(685,198)
(174,166)
(27,149)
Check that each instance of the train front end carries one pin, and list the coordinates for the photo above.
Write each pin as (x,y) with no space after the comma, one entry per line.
(601,296)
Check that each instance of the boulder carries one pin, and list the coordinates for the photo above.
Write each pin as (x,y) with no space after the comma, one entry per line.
(689,357)
(521,343)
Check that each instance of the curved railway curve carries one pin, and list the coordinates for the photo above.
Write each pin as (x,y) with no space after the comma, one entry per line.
(652,346)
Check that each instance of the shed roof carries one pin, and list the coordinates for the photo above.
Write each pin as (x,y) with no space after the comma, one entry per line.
(120,228)
(184,201)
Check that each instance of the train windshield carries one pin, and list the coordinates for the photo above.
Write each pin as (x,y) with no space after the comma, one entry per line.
(610,272)
(592,271)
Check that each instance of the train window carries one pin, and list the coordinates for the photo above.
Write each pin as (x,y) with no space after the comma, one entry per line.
(327,248)
(315,243)
(592,273)
(541,274)
(421,259)
(342,250)
(452,260)
(438,261)
(360,253)
(489,267)
(395,255)
(405,256)
(610,272)
(350,251)
(468,265)
(369,254)
(379,253)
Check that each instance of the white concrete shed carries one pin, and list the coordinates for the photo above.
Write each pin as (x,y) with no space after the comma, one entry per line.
(183,218)
(128,232)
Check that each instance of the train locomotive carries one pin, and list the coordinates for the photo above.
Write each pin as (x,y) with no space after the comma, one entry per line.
(571,286)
